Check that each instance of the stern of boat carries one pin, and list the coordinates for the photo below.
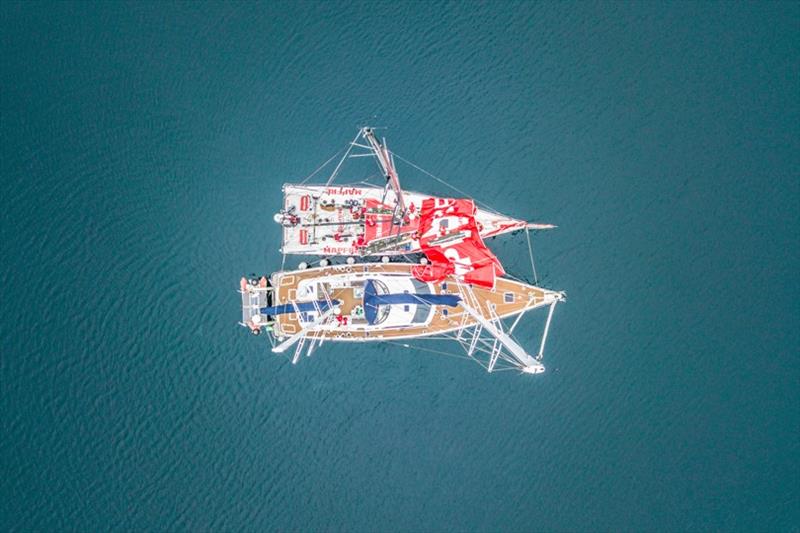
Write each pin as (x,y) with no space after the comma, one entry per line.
(256,295)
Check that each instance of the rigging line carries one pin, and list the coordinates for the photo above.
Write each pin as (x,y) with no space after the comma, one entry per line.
(320,168)
(530,253)
(504,368)
(372,177)
(516,278)
(356,184)
(341,161)
(459,191)
(385,190)
(443,337)
(485,351)
(428,350)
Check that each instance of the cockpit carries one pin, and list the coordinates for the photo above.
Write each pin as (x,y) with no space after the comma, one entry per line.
(378,302)
(387,306)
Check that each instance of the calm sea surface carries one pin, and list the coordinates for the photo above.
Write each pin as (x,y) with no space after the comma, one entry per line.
(142,150)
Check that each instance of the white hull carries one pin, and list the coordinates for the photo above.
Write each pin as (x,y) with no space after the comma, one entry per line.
(339,304)
(333,231)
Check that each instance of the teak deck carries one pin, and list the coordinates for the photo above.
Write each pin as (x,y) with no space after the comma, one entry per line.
(285,289)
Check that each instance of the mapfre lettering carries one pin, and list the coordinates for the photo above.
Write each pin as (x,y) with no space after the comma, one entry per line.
(344,191)
(336,250)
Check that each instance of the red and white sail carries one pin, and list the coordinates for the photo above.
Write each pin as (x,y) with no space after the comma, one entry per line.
(450,236)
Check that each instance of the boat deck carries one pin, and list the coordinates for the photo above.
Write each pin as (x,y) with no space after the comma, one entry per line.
(325,224)
(506,299)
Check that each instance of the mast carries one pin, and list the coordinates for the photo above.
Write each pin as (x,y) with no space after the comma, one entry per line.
(386,162)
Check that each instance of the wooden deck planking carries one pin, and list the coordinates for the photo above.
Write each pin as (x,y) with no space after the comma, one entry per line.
(525,297)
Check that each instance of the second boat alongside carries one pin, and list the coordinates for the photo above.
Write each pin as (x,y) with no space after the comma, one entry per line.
(360,220)
(386,302)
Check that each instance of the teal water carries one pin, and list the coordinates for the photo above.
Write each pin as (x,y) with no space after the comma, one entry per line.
(143,146)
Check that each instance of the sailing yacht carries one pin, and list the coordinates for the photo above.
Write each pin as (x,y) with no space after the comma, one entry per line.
(358,220)
(382,302)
